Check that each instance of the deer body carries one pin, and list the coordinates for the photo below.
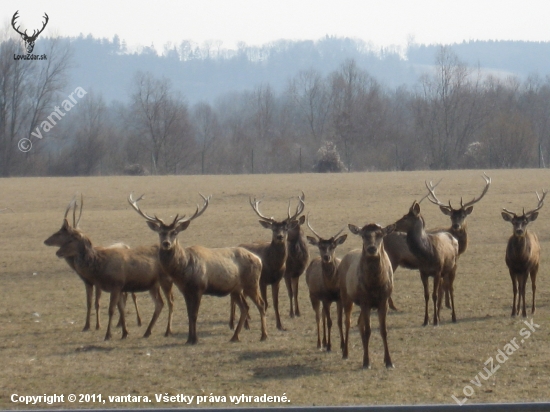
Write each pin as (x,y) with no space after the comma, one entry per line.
(366,279)
(296,263)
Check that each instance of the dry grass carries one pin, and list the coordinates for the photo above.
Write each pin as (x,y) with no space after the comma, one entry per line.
(42,305)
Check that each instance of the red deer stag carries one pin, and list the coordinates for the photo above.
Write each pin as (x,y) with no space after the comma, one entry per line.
(61,237)
(366,279)
(436,254)
(523,254)
(322,282)
(273,254)
(118,270)
(296,262)
(458,227)
(198,271)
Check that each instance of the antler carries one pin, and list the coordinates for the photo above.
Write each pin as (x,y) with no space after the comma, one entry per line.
(432,197)
(134,204)
(316,234)
(43,26)
(15,16)
(539,206)
(475,200)
(71,204)
(76,222)
(431,188)
(299,207)
(256,207)
(197,212)
(34,33)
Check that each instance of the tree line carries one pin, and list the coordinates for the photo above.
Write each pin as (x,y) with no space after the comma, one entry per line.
(454,116)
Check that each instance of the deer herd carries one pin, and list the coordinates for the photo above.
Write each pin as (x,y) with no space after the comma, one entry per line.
(363,277)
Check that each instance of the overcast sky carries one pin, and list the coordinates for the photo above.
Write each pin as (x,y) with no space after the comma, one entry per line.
(256,22)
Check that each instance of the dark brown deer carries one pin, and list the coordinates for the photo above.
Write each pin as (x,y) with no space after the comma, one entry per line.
(436,254)
(458,227)
(323,283)
(61,237)
(296,262)
(274,253)
(118,270)
(523,254)
(198,271)
(366,279)
(29,40)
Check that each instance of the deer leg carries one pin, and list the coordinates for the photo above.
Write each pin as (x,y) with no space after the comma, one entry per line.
(167,290)
(424,279)
(238,298)
(382,313)
(534,272)
(232,307)
(275,295)
(257,299)
(347,310)
(192,301)
(113,302)
(392,306)
(246,324)
(440,293)
(134,298)
(450,290)
(123,299)
(295,284)
(327,318)
(315,304)
(89,293)
(288,283)
(97,297)
(263,291)
(515,290)
(435,295)
(365,331)
(159,304)
(522,286)
(339,309)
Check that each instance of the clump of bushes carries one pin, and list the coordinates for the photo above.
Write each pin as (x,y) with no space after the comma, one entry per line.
(328,159)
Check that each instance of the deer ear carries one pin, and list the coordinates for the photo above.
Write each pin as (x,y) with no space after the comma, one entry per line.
(341,239)
(302,219)
(506,216)
(354,229)
(312,240)
(65,224)
(182,226)
(153,226)
(445,210)
(533,216)
(389,229)
(415,208)
(469,210)
(265,224)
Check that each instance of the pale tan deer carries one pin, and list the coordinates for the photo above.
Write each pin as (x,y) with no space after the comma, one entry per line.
(523,254)
(273,254)
(198,271)
(58,239)
(296,263)
(118,270)
(436,254)
(366,279)
(323,283)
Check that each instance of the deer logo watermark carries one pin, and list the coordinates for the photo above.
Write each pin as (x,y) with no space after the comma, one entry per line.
(29,40)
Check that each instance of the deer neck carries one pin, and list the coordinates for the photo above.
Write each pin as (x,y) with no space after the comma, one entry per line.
(462,236)
(277,253)
(174,258)
(418,241)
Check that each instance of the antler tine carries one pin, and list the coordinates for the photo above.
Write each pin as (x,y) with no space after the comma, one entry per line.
(508,211)
(197,212)
(299,207)
(475,200)
(540,204)
(336,235)
(310,228)
(255,206)
(80,213)
(430,188)
(15,16)
(71,203)
(134,204)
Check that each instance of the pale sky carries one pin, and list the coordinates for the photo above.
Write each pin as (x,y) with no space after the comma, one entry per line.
(256,22)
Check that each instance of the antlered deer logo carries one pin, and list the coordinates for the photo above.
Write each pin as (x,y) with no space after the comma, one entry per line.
(29,40)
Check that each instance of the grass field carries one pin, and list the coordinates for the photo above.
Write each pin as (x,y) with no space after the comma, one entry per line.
(42,302)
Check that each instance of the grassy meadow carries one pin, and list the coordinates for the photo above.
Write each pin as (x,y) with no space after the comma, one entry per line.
(42,302)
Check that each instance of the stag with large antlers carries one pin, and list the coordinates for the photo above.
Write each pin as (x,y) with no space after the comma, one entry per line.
(436,254)
(198,271)
(366,279)
(61,237)
(29,40)
(116,270)
(523,254)
(273,254)
(323,283)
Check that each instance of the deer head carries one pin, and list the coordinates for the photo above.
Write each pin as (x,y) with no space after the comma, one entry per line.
(67,233)
(168,232)
(458,216)
(279,229)
(372,235)
(520,222)
(29,40)
(327,247)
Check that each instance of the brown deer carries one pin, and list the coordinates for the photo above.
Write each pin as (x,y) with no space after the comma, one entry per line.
(273,254)
(61,237)
(198,271)
(323,283)
(523,254)
(458,226)
(436,254)
(296,263)
(118,270)
(366,279)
